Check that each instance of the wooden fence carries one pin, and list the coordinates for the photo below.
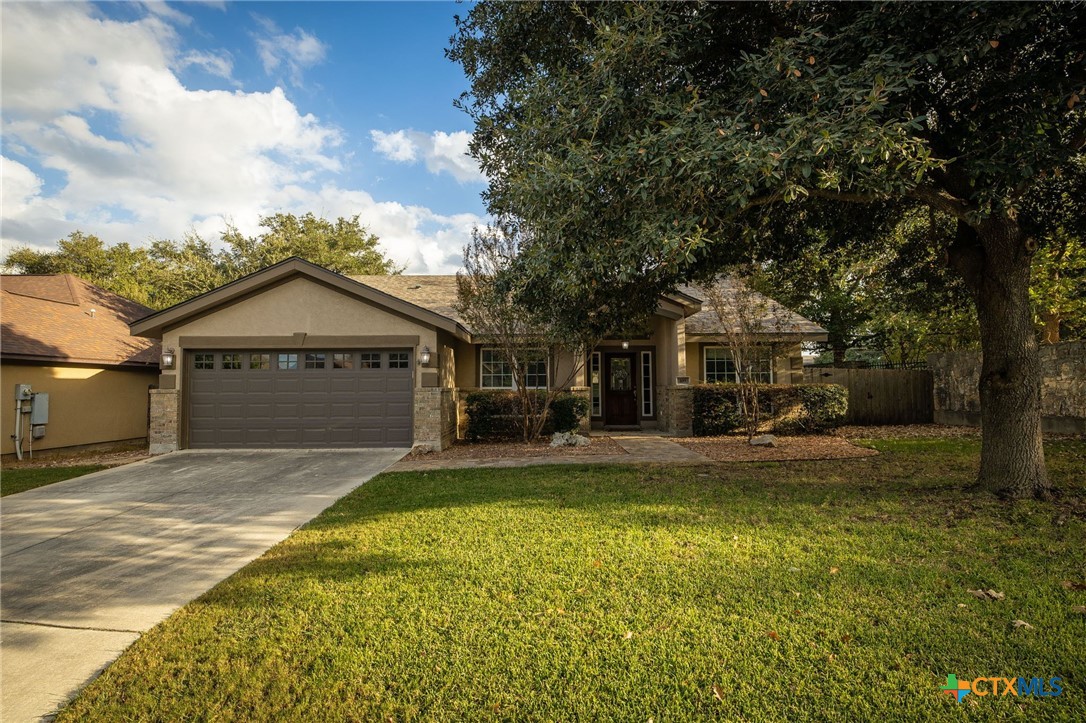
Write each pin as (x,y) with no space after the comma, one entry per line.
(881,396)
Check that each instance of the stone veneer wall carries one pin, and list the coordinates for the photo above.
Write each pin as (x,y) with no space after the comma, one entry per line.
(675,410)
(164,432)
(1063,388)
(435,417)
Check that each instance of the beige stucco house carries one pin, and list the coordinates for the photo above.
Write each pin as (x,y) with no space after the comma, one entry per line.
(298,356)
(68,339)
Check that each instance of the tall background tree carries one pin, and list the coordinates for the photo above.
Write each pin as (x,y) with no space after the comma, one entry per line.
(637,140)
(167,272)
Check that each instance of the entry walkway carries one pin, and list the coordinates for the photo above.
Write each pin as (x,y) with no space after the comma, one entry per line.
(640,447)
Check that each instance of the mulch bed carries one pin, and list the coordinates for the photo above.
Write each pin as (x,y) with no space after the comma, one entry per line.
(790,449)
(499,450)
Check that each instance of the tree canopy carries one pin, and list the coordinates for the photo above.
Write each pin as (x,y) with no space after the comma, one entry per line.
(167,272)
(639,140)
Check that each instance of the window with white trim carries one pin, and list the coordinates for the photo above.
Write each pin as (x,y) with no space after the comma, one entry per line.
(496,373)
(646,383)
(597,388)
(720,367)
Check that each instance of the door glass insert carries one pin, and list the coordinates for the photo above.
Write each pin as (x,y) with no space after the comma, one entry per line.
(621,379)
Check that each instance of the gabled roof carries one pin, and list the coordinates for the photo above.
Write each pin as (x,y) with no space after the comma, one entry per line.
(294,267)
(773,318)
(60,317)
(439,293)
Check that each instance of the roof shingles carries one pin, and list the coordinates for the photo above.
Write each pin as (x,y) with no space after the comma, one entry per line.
(438,294)
(63,318)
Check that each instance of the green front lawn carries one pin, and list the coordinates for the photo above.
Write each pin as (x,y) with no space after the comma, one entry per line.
(23,479)
(792,591)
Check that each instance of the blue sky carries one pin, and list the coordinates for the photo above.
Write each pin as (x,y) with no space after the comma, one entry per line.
(151,120)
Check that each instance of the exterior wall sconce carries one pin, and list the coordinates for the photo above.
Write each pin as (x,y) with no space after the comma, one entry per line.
(625,345)
(169,358)
(424,356)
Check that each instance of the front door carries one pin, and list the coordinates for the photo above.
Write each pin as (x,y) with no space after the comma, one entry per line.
(620,392)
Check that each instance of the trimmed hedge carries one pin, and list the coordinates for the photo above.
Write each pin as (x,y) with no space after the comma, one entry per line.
(566,412)
(496,414)
(784,408)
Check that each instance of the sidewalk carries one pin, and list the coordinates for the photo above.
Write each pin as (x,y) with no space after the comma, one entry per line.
(640,447)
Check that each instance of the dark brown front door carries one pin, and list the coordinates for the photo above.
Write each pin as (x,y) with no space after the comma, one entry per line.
(620,395)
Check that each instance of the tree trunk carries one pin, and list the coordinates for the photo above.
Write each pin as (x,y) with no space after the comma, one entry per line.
(994,259)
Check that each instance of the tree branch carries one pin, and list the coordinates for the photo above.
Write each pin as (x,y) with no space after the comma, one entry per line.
(942,201)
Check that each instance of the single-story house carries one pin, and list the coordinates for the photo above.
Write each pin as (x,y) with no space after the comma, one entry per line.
(298,356)
(69,339)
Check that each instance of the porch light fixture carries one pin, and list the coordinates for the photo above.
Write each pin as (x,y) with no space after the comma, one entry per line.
(625,345)
(424,356)
(168,359)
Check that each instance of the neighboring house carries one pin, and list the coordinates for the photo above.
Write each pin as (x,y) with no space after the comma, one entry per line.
(70,339)
(298,356)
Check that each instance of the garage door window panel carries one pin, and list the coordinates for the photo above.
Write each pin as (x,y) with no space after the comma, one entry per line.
(260,361)
(370,360)
(343,361)
(287,361)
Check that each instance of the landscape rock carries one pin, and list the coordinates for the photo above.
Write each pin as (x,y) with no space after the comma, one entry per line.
(569,439)
(764,440)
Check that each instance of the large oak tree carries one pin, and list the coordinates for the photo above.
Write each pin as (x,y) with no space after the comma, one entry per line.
(637,139)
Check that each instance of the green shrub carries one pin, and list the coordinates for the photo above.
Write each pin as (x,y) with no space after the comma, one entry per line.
(716,409)
(783,408)
(824,405)
(493,415)
(496,414)
(566,412)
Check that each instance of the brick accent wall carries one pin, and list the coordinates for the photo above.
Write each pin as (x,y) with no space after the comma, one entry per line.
(165,428)
(435,417)
(1063,387)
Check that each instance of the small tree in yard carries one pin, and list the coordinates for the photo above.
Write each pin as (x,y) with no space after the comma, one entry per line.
(527,333)
(751,333)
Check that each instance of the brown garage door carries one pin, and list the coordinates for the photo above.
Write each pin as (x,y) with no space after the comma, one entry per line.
(299,398)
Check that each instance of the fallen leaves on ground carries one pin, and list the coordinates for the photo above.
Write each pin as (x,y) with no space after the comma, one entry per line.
(773,634)
(718,692)
(734,448)
(987,594)
(1021,624)
(1068,585)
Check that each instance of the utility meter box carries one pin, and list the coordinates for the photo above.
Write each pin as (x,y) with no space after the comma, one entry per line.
(39,409)
(23,393)
(37,431)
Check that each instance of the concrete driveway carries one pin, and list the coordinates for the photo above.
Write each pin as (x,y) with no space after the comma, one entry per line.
(88,564)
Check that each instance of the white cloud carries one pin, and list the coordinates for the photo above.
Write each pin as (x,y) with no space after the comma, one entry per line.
(395,146)
(221,64)
(441,151)
(138,155)
(295,51)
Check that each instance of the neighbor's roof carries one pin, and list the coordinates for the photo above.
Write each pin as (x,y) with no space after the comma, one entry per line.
(60,317)
(772,317)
